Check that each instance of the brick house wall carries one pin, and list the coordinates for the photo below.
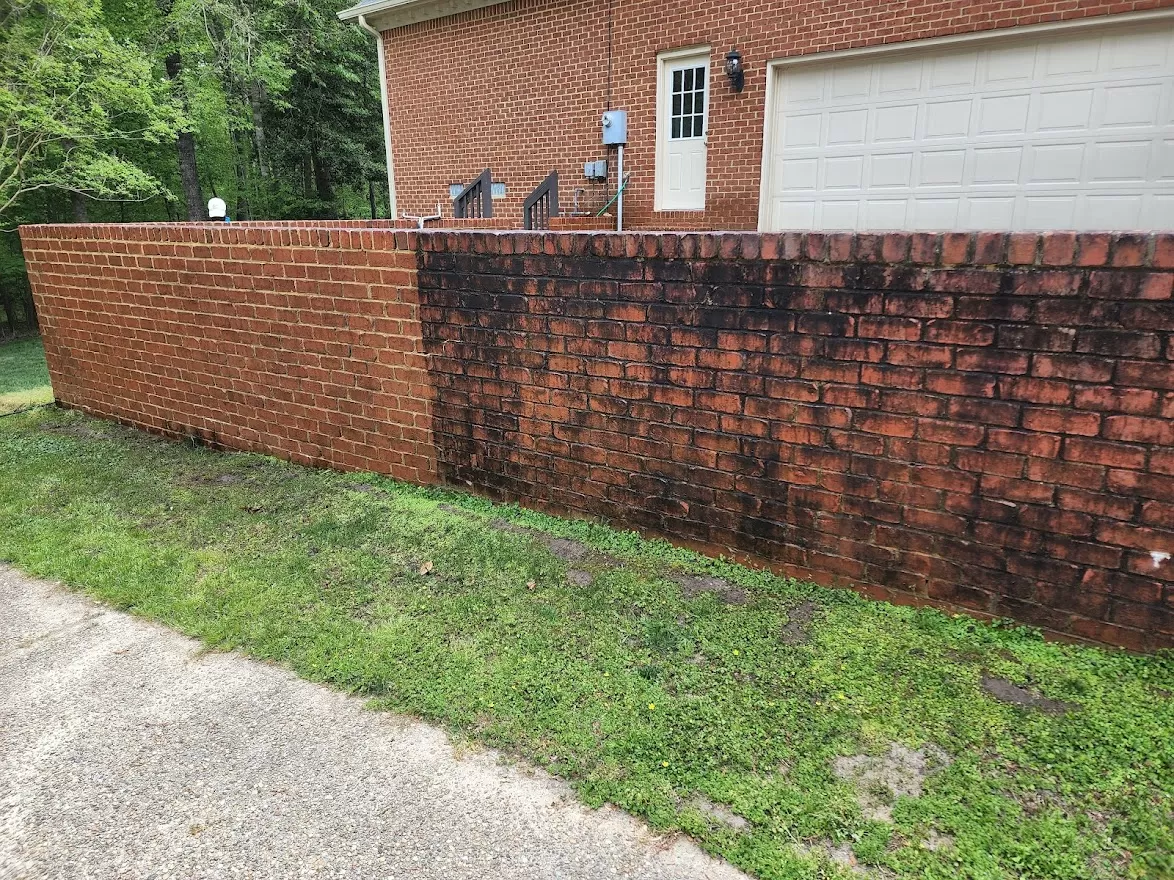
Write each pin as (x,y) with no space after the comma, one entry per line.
(980,422)
(520,87)
(296,341)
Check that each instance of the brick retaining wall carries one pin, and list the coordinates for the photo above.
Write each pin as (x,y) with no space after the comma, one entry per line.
(294,340)
(983,421)
(973,421)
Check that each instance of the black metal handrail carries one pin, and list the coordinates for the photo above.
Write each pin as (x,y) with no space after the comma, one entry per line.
(542,204)
(476,199)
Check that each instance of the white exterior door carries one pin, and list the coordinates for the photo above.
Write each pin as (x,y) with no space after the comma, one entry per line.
(1069,130)
(682,126)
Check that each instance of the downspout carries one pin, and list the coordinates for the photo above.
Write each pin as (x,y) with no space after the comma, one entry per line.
(386,111)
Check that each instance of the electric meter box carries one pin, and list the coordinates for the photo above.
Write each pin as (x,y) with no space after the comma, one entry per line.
(615,127)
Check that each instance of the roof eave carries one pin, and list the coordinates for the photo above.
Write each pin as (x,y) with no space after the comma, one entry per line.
(390,14)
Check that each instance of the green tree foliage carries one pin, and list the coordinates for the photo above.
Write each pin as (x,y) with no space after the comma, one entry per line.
(327,126)
(284,101)
(133,110)
(72,97)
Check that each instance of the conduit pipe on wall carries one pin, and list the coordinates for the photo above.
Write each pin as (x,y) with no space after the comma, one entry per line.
(362,20)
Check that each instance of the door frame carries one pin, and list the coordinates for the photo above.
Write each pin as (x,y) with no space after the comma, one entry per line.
(664,60)
(773,68)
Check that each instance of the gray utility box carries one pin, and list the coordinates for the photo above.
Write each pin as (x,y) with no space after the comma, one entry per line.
(596,170)
(615,127)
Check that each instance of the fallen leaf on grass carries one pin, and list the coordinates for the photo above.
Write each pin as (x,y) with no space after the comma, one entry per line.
(426,567)
(530,585)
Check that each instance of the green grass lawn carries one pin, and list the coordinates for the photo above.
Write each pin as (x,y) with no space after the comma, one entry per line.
(614,662)
(24,378)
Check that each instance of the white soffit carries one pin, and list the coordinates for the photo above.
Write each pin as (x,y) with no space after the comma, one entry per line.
(385,15)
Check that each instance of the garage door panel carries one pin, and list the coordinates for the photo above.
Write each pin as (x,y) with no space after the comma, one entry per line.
(1166,160)
(986,213)
(942,168)
(885,213)
(1111,211)
(997,166)
(1003,115)
(1121,162)
(1056,132)
(897,79)
(1056,163)
(847,127)
(930,213)
(895,124)
(948,119)
(840,214)
(1063,110)
(1158,210)
(1127,106)
(1138,52)
(1050,212)
(1068,58)
(953,72)
(890,170)
(1003,68)
(843,172)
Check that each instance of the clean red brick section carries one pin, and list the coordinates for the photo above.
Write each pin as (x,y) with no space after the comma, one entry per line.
(297,341)
(978,421)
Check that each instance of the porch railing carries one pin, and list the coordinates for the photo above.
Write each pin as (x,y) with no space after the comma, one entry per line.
(476,199)
(542,204)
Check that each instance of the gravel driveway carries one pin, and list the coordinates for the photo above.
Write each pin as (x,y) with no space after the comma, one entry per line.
(126,752)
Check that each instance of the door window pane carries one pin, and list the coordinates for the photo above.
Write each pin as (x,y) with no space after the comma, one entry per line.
(687,116)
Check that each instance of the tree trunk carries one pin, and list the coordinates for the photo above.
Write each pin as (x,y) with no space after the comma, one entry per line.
(321,177)
(256,98)
(81,213)
(307,177)
(371,196)
(242,182)
(186,147)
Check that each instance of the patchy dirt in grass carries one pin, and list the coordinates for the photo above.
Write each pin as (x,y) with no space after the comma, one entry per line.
(566,549)
(1008,692)
(81,430)
(718,812)
(935,841)
(213,480)
(881,779)
(504,525)
(366,489)
(796,630)
(841,854)
(580,578)
(695,585)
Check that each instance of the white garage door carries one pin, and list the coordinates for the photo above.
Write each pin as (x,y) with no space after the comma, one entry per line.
(1063,131)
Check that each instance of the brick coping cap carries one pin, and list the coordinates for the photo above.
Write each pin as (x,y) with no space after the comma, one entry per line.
(1153,250)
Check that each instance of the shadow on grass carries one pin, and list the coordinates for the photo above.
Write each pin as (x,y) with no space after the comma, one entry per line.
(24,377)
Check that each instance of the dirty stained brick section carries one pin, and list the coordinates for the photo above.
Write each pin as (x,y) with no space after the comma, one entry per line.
(982,421)
(974,421)
(297,341)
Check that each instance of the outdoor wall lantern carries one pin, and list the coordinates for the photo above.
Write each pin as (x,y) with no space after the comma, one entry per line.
(734,70)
